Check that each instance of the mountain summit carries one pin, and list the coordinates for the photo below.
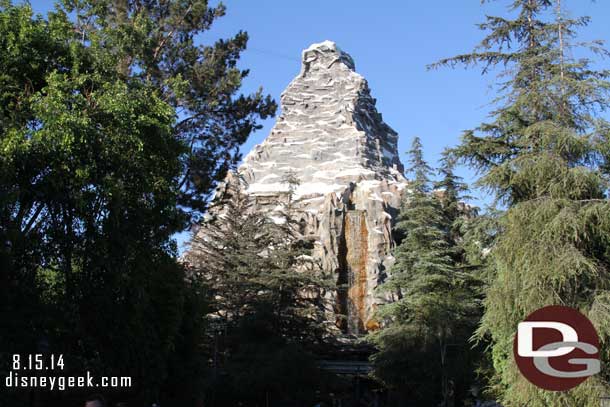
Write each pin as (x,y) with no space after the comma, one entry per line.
(329,131)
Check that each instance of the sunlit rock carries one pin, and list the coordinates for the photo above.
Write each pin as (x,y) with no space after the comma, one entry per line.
(330,135)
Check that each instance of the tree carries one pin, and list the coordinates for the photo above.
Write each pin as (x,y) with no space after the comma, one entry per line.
(225,252)
(156,43)
(114,128)
(544,157)
(433,307)
(267,290)
(450,190)
(252,260)
(21,247)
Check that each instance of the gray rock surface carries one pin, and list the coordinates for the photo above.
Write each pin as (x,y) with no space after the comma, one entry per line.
(332,138)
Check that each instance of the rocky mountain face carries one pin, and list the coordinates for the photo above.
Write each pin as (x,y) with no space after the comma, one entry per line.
(331,137)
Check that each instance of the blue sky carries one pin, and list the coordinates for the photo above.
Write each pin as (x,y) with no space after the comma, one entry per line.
(391,43)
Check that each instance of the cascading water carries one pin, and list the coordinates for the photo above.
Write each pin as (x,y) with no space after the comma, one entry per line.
(355,276)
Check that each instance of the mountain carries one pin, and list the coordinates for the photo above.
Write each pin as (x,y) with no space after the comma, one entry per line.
(331,137)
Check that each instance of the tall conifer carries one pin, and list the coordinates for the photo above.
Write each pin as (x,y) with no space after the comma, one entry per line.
(256,263)
(542,156)
(426,326)
(267,306)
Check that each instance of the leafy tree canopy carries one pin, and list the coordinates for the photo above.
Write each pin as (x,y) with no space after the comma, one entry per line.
(545,156)
(115,125)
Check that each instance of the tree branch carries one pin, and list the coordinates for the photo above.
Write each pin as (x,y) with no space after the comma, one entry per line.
(170,34)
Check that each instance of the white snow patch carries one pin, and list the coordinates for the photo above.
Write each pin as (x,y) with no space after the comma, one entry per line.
(268,177)
(368,184)
(312,200)
(271,187)
(316,188)
(375,197)
(323,175)
(355,172)
(278,220)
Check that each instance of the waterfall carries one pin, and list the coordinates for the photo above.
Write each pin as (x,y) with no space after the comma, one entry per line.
(354,271)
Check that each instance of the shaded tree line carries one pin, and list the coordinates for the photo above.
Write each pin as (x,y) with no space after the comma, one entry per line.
(114,128)
(544,157)
(433,291)
(266,321)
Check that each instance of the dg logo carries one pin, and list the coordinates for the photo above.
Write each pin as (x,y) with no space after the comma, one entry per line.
(557,348)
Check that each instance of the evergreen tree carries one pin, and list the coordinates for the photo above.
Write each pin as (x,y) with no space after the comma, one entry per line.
(252,260)
(544,157)
(430,318)
(268,297)
(226,253)
(450,190)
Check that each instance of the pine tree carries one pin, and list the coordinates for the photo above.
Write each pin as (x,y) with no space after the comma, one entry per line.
(267,296)
(543,156)
(226,251)
(450,190)
(256,262)
(430,313)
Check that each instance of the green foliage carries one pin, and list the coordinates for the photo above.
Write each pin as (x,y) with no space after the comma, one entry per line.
(268,311)
(450,190)
(434,305)
(114,128)
(545,157)
(260,367)
(156,43)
